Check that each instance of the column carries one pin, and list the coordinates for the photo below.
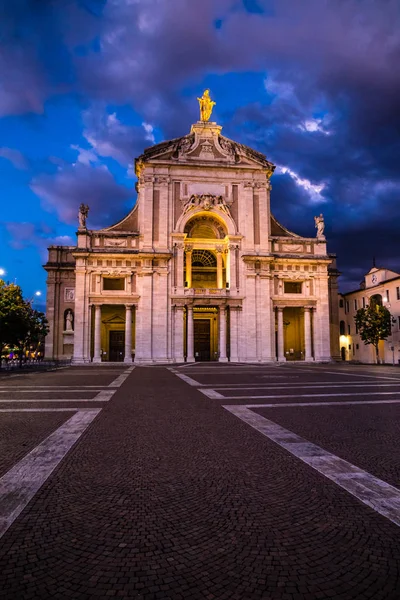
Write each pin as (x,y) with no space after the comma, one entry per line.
(179,265)
(220,280)
(233,318)
(97,333)
(128,334)
(178,356)
(281,355)
(188,257)
(307,333)
(190,335)
(222,335)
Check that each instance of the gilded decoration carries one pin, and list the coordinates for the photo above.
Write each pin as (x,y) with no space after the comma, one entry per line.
(206,106)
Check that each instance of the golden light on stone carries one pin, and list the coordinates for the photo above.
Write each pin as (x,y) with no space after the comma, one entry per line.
(206,106)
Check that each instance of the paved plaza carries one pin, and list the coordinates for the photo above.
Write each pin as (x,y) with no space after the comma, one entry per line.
(202,481)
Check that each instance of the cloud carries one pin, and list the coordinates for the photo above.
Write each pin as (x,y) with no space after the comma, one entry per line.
(15,157)
(109,137)
(149,129)
(24,235)
(63,192)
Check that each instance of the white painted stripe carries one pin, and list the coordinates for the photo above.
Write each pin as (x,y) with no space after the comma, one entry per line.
(187,379)
(375,493)
(104,396)
(361,375)
(212,394)
(51,387)
(336,395)
(21,482)
(344,403)
(41,391)
(69,409)
(33,400)
(298,385)
(121,378)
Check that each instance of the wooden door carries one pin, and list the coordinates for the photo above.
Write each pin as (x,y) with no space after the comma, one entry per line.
(117,346)
(202,339)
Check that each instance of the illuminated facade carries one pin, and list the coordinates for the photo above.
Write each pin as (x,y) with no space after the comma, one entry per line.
(198,270)
(383,286)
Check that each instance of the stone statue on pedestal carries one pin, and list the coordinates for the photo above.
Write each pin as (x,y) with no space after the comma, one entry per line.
(320,226)
(82,216)
(68,321)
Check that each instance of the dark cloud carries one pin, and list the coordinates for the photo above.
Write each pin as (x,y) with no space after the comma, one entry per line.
(63,192)
(328,114)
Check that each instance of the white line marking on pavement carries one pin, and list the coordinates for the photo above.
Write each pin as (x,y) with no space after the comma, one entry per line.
(361,375)
(41,391)
(51,388)
(69,409)
(344,403)
(121,378)
(311,395)
(187,379)
(375,493)
(212,394)
(298,385)
(21,482)
(33,400)
(103,396)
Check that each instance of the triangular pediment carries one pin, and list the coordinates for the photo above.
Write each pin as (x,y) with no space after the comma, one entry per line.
(116,319)
(204,144)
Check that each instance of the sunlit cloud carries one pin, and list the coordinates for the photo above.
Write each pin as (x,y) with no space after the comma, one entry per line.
(149,129)
(313,189)
(312,125)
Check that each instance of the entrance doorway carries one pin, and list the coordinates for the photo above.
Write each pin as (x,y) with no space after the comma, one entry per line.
(117,346)
(205,333)
(202,339)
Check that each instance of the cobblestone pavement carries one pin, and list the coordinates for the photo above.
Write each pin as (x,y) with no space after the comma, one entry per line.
(201,482)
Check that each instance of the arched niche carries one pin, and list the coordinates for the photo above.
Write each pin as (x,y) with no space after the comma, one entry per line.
(213,222)
(205,227)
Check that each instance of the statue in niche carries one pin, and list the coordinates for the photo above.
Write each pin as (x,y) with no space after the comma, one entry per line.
(206,106)
(69,320)
(82,216)
(320,226)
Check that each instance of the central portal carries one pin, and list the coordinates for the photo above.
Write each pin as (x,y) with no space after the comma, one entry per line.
(205,334)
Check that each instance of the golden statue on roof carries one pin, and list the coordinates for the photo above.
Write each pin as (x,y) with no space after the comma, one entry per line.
(206,106)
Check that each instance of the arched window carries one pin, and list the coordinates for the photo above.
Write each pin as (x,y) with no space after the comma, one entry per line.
(205,227)
(203,258)
(375,300)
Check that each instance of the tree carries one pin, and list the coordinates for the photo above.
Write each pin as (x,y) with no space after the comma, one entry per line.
(20,324)
(374,324)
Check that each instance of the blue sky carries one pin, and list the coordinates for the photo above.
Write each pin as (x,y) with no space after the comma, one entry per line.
(86,85)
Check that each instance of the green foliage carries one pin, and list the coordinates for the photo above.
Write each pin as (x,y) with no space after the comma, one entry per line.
(374,324)
(20,324)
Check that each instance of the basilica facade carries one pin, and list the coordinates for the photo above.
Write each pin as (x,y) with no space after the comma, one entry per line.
(199,270)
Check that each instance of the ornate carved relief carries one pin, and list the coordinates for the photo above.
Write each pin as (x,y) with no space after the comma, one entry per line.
(291,248)
(162,179)
(115,243)
(69,294)
(205,202)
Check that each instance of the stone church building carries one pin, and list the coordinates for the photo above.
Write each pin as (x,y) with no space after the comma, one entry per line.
(199,270)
